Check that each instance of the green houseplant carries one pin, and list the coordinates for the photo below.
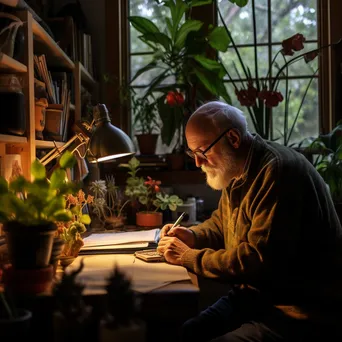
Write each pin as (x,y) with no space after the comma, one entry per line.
(30,209)
(145,122)
(327,149)
(180,54)
(152,200)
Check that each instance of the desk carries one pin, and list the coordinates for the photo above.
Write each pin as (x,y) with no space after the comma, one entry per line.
(168,295)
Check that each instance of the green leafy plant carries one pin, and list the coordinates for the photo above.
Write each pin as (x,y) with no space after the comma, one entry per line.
(327,149)
(180,53)
(41,200)
(148,192)
(145,114)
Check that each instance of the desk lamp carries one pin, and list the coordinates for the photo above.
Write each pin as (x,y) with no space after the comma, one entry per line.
(103,141)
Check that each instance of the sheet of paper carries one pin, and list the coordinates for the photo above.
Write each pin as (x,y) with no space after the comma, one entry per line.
(144,276)
(119,246)
(107,239)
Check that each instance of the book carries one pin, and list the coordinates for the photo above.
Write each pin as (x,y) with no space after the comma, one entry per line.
(124,242)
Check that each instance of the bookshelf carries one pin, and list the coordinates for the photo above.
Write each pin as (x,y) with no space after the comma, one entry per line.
(38,41)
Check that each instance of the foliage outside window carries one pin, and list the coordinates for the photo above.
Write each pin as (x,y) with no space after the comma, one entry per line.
(273,24)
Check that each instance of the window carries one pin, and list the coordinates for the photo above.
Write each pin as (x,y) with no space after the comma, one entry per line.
(276,20)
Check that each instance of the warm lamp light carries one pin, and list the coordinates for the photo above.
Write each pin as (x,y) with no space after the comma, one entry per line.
(103,141)
(107,142)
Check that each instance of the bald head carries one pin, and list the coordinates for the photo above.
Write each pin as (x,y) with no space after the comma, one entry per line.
(217,116)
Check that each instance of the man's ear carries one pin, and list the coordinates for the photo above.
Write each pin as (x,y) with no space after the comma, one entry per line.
(234,138)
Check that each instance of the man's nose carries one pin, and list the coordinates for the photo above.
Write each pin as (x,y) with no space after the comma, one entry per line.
(199,161)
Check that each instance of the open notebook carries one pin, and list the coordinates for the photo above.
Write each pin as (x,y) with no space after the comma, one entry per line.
(125,242)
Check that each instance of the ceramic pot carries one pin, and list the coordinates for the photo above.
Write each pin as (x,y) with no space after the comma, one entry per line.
(115,222)
(149,219)
(29,247)
(16,328)
(57,248)
(40,116)
(54,123)
(147,143)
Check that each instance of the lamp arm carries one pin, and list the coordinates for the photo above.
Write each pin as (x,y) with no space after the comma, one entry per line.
(57,151)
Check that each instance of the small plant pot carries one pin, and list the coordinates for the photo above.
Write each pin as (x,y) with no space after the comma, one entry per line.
(29,247)
(115,222)
(147,143)
(66,260)
(149,220)
(17,327)
(28,282)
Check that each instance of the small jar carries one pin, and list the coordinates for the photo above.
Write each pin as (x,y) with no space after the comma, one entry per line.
(12,106)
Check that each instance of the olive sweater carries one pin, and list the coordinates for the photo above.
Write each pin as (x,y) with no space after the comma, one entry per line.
(276,231)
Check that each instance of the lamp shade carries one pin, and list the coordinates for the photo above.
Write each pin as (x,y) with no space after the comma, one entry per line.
(107,142)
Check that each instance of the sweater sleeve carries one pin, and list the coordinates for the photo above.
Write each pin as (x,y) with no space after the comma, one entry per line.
(209,233)
(267,212)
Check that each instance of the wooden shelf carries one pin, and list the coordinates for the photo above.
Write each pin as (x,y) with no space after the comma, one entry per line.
(86,78)
(48,144)
(9,64)
(44,43)
(12,139)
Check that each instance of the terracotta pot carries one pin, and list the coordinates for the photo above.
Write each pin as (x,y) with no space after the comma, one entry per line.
(40,115)
(114,222)
(54,123)
(147,143)
(28,281)
(149,219)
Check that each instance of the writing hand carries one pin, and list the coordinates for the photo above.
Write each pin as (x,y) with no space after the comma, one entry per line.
(172,249)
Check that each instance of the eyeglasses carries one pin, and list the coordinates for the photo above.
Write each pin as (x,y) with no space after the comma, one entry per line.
(201,154)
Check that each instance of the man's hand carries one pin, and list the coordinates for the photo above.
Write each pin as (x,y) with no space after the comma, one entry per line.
(172,249)
(182,233)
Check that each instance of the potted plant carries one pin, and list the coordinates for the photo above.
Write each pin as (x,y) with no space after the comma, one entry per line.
(181,54)
(71,232)
(108,203)
(327,149)
(30,210)
(14,322)
(145,122)
(153,201)
(121,321)
(261,95)
(71,316)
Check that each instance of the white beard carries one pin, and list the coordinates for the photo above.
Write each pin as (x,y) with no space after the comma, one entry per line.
(219,177)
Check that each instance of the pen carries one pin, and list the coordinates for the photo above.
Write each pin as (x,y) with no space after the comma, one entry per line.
(178,221)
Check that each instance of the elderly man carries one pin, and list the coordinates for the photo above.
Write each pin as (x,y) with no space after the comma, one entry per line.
(275,237)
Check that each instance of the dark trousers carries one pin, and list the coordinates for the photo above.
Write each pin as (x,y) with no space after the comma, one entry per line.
(246,318)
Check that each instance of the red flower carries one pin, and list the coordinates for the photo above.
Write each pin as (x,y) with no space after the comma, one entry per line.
(174,98)
(247,97)
(308,57)
(263,94)
(294,43)
(154,184)
(273,98)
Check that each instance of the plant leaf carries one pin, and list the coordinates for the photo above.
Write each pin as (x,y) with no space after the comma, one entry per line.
(185,29)
(143,25)
(58,178)
(158,38)
(240,3)
(219,39)
(3,185)
(38,170)
(67,160)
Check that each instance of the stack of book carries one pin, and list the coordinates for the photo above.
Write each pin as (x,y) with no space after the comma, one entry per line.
(59,98)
